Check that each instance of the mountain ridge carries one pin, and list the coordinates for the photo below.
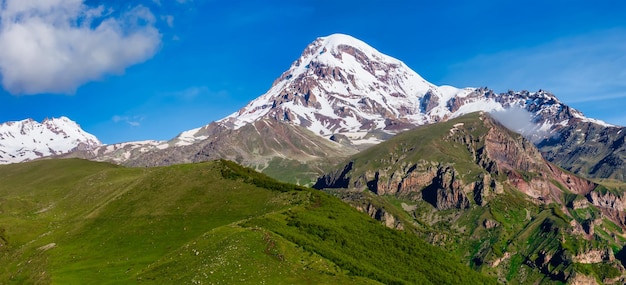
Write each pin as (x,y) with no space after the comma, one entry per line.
(345,91)
(474,187)
(28,139)
(214,222)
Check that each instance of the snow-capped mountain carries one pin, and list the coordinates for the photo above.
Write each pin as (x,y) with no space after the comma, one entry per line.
(341,85)
(28,139)
(351,95)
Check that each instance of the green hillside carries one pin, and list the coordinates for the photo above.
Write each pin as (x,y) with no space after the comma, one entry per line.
(485,195)
(79,222)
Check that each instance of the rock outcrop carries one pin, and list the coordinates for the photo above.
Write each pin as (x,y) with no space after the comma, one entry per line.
(607,200)
(380,214)
(495,150)
(581,279)
(439,185)
(594,256)
(588,149)
(486,183)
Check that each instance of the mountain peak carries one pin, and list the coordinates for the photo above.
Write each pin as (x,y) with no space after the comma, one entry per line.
(331,50)
(28,139)
(339,85)
(336,44)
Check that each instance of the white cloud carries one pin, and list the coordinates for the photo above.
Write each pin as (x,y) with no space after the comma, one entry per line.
(520,121)
(134,121)
(169,19)
(54,46)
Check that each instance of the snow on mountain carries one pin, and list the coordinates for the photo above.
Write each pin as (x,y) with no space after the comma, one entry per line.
(342,85)
(28,139)
(352,96)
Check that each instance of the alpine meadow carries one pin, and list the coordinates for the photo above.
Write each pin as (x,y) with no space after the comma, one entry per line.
(272,142)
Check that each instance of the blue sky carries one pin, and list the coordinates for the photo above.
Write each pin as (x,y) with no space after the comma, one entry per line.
(150,69)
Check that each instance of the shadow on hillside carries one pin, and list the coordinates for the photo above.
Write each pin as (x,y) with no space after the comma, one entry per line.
(621,256)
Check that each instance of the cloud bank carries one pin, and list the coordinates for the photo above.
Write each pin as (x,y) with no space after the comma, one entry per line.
(54,46)
(520,121)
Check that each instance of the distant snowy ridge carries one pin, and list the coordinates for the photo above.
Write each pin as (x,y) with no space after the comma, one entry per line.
(28,139)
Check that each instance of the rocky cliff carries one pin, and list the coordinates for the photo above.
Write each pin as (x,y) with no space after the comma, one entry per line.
(588,149)
(492,151)
(474,184)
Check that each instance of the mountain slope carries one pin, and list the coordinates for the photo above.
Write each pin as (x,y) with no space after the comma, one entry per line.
(342,85)
(74,221)
(27,139)
(589,149)
(477,189)
(351,95)
(288,152)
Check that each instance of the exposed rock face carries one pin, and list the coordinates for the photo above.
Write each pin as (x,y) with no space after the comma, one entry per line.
(486,188)
(496,150)
(588,149)
(380,214)
(607,200)
(497,261)
(525,168)
(436,184)
(445,191)
(579,204)
(611,205)
(490,224)
(594,256)
(580,279)
(474,161)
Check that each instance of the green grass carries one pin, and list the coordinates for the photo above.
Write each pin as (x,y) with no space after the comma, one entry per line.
(79,222)
(113,223)
(599,270)
(425,143)
(532,240)
(331,229)
(294,171)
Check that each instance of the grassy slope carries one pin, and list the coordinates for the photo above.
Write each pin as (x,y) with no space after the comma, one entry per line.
(423,143)
(79,222)
(524,230)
